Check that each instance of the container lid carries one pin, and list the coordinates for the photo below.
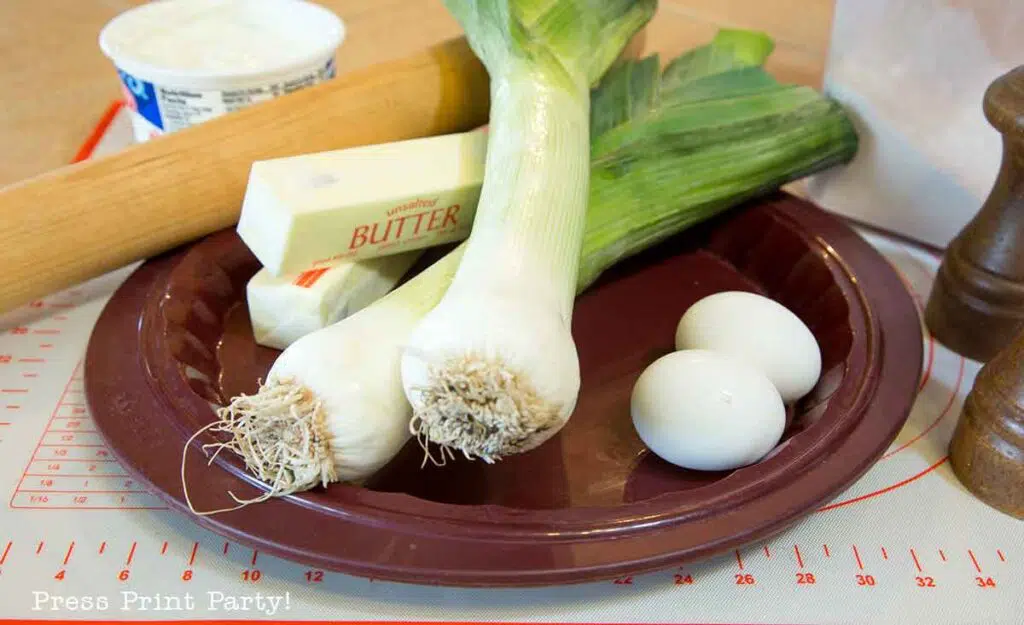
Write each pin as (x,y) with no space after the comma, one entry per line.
(215,43)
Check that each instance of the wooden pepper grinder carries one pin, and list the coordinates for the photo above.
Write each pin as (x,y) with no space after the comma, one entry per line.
(987,451)
(976,306)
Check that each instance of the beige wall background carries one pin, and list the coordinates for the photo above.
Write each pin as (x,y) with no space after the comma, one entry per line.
(55,83)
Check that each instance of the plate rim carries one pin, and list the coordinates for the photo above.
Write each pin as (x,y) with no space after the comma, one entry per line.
(893,312)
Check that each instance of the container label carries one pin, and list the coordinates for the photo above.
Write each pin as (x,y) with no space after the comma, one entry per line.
(158,110)
(140,96)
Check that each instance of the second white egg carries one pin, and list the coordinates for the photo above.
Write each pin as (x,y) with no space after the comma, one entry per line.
(758,330)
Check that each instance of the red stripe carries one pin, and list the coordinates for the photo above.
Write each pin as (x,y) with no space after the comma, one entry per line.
(307,279)
(94,138)
(942,415)
(974,561)
(886,490)
(799,558)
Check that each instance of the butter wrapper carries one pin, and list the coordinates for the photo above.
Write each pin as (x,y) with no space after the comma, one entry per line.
(315,210)
(284,309)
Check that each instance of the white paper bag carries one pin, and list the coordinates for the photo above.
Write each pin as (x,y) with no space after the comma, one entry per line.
(912,74)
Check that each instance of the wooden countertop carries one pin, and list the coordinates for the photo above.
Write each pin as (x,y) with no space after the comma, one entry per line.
(56,83)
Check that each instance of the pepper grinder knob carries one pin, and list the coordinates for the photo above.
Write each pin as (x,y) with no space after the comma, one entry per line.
(987,450)
(976,306)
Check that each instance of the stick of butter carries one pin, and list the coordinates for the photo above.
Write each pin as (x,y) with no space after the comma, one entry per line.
(314,209)
(284,309)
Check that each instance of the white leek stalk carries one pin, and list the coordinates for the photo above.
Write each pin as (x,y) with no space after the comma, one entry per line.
(333,407)
(493,369)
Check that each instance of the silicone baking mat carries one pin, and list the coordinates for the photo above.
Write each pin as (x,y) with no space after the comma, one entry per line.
(80,540)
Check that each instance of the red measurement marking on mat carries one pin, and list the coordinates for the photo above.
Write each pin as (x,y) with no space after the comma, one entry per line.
(928,365)
(67,556)
(39,547)
(974,561)
(45,345)
(103,546)
(60,317)
(77,492)
(31,360)
(799,558)
(307,279)
(131,555)
(1002,558)
(885,555)
(255,554)
(30,375)
(917,562)
(7,550)
(46,331)
(192,557)
(827,554)
(95,475)
(856,554)
(225,549)
(3,423)
(739,560)
(14,391)
(107,507)
(949,404)
(13,406)
(76,458)
(886,489)
(767,553)
(163,549)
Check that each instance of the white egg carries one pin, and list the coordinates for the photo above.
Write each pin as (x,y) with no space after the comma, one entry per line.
(758,330)
(707,411)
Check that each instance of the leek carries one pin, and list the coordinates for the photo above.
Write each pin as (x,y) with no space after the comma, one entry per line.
(471,368)
(333,407)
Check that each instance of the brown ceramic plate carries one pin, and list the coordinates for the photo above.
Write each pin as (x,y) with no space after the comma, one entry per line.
(591,503)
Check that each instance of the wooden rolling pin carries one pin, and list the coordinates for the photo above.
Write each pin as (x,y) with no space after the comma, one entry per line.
(81,221)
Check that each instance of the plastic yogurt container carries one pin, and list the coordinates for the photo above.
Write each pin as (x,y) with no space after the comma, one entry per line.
(183,62)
